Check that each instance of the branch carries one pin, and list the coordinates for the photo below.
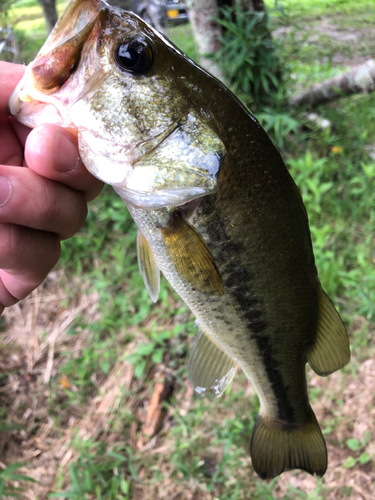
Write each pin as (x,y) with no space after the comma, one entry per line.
(358,80)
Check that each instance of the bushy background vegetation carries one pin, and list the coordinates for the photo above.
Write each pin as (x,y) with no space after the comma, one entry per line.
(202,450)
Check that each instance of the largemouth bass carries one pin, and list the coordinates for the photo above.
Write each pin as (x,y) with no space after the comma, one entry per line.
(216,209)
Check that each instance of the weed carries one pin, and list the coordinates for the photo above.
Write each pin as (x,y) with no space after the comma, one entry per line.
(8,474)
(100,472)
(248,55)
(359,447)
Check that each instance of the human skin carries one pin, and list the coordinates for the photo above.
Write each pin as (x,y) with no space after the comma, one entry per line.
(44,190)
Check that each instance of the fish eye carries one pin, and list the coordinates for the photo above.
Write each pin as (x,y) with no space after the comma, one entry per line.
(134,55)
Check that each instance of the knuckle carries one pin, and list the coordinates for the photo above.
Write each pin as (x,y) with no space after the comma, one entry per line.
(28,252)
(76,216)
(10,242)
(64,210)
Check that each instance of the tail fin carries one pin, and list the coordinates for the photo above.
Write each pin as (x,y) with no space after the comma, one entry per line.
(277,447)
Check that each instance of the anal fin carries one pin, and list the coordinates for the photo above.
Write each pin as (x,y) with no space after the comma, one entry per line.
(331,350)
(211,370)
(148,266)
(277,447)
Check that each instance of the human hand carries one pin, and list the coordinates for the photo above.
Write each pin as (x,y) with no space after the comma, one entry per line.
(44,190)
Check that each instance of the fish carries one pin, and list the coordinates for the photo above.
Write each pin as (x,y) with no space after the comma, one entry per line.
(218,214)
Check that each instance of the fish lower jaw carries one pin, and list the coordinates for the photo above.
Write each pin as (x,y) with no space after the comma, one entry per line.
(158,199)
(32,108)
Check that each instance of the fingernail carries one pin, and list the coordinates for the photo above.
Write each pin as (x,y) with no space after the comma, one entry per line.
(65,153)
(4,190)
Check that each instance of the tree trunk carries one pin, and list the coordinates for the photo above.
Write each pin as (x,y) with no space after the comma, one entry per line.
(358,80)
(50,13)
(207,32)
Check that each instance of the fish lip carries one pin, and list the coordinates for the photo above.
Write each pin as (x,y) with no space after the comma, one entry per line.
(14,106)
(31,100)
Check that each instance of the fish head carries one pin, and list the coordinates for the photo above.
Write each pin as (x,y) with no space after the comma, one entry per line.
(128,94)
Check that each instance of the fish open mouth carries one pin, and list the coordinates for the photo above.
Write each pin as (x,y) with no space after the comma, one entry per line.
(27,104)
(53,66)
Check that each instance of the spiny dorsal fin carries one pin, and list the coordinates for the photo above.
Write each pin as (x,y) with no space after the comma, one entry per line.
(331,350)
(277,447)
(148,267)
(210,369)
(191,257)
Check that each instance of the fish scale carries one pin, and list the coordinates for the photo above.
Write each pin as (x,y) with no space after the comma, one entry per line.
(217,213)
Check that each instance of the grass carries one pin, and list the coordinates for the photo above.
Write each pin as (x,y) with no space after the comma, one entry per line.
(311,8)
(99,347)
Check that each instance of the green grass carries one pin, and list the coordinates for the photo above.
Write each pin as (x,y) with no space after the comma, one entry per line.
(310,8)
(205,446)
(26,18)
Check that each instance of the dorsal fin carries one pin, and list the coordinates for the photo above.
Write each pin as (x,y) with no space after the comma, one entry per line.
(210,369)
(331,350)
(148,266)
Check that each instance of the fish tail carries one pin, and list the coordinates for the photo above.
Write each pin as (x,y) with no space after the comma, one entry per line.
(278,446)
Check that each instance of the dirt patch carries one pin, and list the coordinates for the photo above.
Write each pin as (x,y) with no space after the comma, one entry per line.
(349,45)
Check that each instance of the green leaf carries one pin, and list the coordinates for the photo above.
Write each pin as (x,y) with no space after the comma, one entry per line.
(349,463)
(364,458)
(353,444)
(139,369)
(145,349)
(157,356)
(105,366)
(132,358)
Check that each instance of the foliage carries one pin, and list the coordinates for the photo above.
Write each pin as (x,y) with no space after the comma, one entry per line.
(5,6)
(357,446)
(248,56)
(278,125)
(155,349)
(9,475)
(99,472)
(336,217)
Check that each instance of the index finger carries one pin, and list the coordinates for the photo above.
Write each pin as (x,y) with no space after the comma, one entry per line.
(11,74)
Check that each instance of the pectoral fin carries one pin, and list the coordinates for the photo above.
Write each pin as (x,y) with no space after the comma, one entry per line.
(191,257)
(331,350)
(148,267)
(210,369)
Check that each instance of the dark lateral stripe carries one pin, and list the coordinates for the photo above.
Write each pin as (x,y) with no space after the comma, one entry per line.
(237,281)
(284,408)
(257,328)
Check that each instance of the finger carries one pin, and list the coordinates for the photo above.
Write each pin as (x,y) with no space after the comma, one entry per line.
(26,257)
(12,139)
(52,152)
(30,200)
(21,132)
(11,74)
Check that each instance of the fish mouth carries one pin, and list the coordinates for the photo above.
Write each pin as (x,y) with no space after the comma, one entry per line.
(56,61)
(28,103)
